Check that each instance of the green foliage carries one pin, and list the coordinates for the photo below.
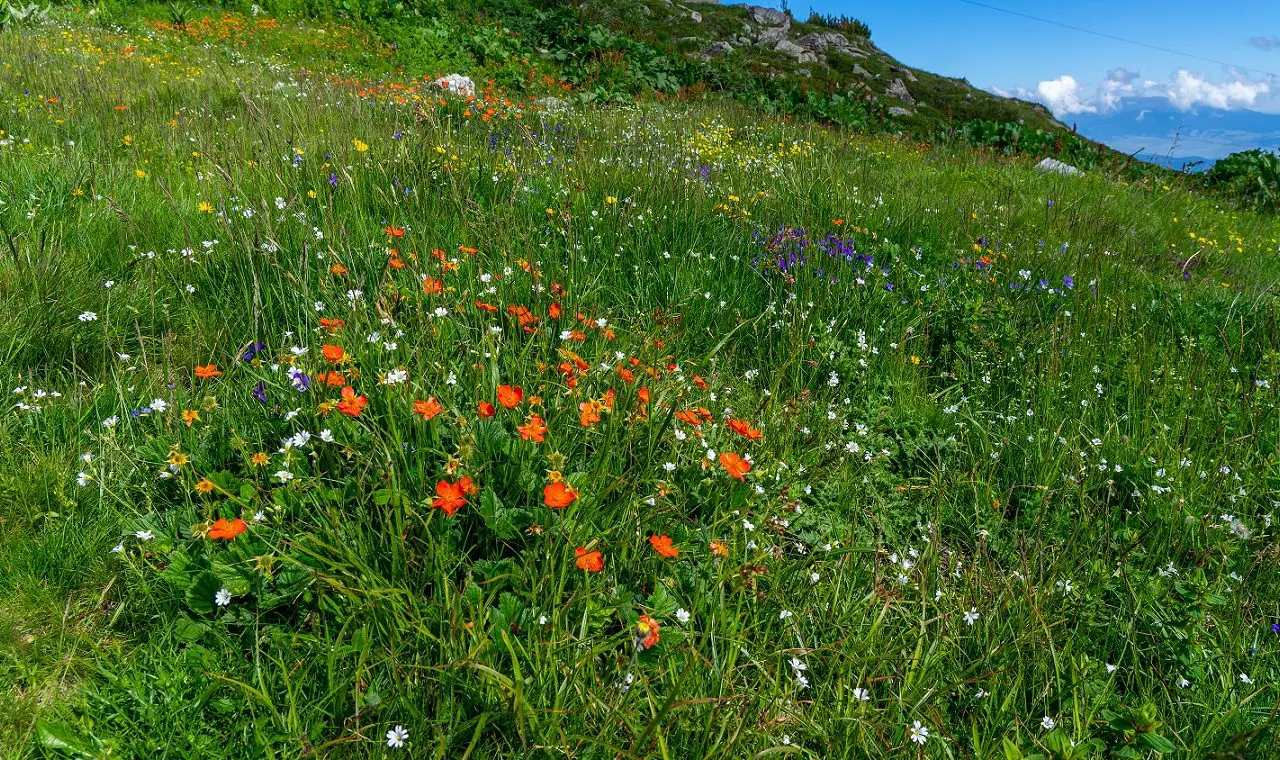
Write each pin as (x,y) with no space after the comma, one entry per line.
(1252,175)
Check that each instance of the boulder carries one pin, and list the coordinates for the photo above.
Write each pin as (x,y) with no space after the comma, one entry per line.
(695,17)
(767,16)
(717,49)
(821,43)
(1054,166)
(897,89)
(904,73)
(457,84)
(900,111)
(787,47)
(770,36)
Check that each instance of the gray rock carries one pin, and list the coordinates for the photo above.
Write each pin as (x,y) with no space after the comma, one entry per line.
(767,16)
(905,73)
(900,111)
(1054,166)
(695,17)
(822,43)
(771,36)
(787,47)
(717,49)
(897,89)
(552,105)
(861,72)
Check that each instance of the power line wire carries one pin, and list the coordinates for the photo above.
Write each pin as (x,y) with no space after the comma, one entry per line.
(1119,39)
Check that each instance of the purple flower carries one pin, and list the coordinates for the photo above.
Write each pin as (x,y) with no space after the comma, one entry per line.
(1275,628)
(300,381)
(253,350)
(260,392)
(333,180)
(1068,281)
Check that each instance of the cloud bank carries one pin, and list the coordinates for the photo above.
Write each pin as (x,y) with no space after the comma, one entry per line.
(1184,90)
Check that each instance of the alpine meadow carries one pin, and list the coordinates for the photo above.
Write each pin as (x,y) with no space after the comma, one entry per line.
(504,380)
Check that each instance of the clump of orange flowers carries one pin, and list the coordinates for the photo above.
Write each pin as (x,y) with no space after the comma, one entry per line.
(224,529)
(207,371)
(533,430)
(735,465)
(428,409)
(452,496)
(510,396)
(351,403)
(646,632)
(589,560)
(557,495)
(663,546)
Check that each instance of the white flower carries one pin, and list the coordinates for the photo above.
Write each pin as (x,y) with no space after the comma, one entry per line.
(159,405)
(669,466)
(798,664)
(82,478)
(682,615)
(1047,723)
(919,734)
(144,535)
(118,548)
(284,475)
(222,598)
(326,435)
(395,377)
(1245,679)
(784,614)
(397,736)
(971,616)
(1112,668)
(861,694)
(88,316)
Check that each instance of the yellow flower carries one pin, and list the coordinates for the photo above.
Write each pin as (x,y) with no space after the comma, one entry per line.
(139,174)
(205,207)
(79,191)
(361,145)
(178,459)
(311,193)
(189,416)
(260,459)
(128,139)
(205,486)
(609,200)
(915,359)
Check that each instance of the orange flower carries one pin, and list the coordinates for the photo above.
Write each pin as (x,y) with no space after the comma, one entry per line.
(689,417)
(351,404)
(482,306)
(227,529)
(394,231)
(510,395)
(332,325)
(719,548)
(428,409)
(450,496)
(735,465)
(698,381)
(590,561)
(190,416)
(333,353)
(557,495)
(646,632)
(590,412)
(643,395)
(332,379)
(207,371)
(533,430)
(338,269)
(743,428)
(431,286)
(485,410)
(555,311)
(626,374)
(662,545)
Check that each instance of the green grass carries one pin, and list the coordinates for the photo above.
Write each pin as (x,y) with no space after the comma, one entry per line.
(1091,465)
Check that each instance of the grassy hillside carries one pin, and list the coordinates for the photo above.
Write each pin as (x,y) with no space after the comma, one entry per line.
(353,419)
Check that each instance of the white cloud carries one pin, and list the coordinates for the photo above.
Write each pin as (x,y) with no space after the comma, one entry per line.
(1063,96)
(1187,90)
(1119,84)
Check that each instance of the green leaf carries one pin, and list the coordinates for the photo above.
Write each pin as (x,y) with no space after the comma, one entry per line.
(57,736)
(201,592)
(1156,743)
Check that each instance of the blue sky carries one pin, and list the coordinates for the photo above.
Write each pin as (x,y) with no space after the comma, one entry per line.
(1073,72)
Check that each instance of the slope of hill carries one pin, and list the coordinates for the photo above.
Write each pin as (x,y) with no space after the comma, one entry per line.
(354,418)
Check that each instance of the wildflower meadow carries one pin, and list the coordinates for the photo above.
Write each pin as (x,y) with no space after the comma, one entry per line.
(352,416)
